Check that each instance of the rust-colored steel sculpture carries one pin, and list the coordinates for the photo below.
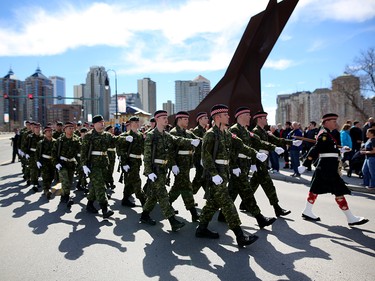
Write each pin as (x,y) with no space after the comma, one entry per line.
(240,85)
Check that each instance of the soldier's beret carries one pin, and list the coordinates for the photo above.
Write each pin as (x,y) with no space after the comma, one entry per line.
(182,114)
(329,116)
(36,124)
(218,108)
(241,110)
(160,113)
(260,114)
(200,115)
(27,122)
(97,118)
(32,122)
(133,119)
(47,128)
(59,123)
(108,128)
(83,130)
(152,120)
(68,124)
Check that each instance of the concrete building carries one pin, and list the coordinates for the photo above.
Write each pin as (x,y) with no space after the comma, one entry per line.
(169,107)
(59,89)
(147,93)
(188,94)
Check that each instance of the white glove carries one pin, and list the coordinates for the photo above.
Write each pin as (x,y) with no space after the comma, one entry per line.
(195,142)
(20,153)
(279,150)
(261,156)
(236,172)
(253,168)
(301,169)
(152,177)
(297,142)
(27,156)
(129,138)
(58,166)
(86,170)
(175,170)
(126,168)
(217,180)
(38,164)
(344,149)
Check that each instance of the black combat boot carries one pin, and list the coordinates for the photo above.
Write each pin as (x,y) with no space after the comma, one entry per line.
(242,239)
(203,232)
(126,202)
(175,224)
(91,208)
(280,211)
(106,211)
(194,214)
(264,221)
(64,198)
(243,207)
(35,187)
(145,218)
(221,216)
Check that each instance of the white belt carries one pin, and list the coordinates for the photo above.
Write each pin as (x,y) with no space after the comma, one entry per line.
(185,152)
(222,162)
(99,153)
(135,156)
(68,160)
(32,149)
(46,156)
(78,155)
(160,161)
(240,155)
(111,149)
(326,155)
(264,151)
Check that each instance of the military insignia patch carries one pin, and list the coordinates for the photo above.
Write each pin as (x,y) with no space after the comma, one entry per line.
(324,138)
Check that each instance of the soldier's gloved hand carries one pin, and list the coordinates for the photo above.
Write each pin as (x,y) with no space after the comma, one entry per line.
(236,172)
(126,168)
(86,170)
(195,142)
(345,149)
(253,168)
(58,166)
(261,156)
(129,138)
(217,180)
(27,156)
(38,164)
(297,142)
(152,177)
(175,170)
(279,150)
(301,169)
(20,153)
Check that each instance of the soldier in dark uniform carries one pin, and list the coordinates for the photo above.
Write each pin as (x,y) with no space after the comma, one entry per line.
(64,154)
(326,178)
(111,151)
(94,159)
(130,154)
(184,161)
(44,162)
(199,131)
(218,149)
(261,176)
(159,152)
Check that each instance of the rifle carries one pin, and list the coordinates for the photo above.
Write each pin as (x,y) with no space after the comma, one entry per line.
(121,179)
(206,173)
(314,141)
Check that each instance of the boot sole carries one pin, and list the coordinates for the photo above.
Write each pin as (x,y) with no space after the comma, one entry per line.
(306,217)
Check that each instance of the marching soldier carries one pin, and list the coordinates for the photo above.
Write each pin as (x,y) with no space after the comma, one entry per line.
(64,154)
(158,153)
(217,151)
(58,130)
(82,181)
(94,159)
(130,154)
(44,162)
(111,151)
(326,178)
(24,132)
(199,131)
(181,170)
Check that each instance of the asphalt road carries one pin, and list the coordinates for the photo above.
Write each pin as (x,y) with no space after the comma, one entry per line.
(42,240)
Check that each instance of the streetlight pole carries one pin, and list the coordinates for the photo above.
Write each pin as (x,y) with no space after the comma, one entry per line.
(106,86)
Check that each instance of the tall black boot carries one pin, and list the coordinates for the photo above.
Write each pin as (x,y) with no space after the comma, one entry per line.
(203,232)
(242,239)
(145,218)
(194,214)
(175,224)
(91,208)
(264,221)
(106,211)
(280,211)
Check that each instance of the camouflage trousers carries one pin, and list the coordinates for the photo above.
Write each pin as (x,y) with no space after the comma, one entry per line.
(34,171)
(111,167)
(182,186)
(48,174)
(98,179)
(66,175)
(219,198)
(198,180)
(133,183)
(25,168)
(241,186)
(156,192)
(262,177)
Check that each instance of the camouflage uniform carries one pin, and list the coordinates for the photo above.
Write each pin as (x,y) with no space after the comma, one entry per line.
(22,145)
(198,180)
(44,156)
(130,154)
(57,134)
(111,151)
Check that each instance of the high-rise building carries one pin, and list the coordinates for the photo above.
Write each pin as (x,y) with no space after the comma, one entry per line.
(188,94)
(169,107)
(59,90)
(147,93)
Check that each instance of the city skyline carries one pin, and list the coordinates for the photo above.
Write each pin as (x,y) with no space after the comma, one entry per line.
(179,40)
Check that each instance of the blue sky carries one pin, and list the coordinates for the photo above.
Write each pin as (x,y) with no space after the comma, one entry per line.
(178,40)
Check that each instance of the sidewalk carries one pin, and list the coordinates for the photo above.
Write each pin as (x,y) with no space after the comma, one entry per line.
(354,182)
